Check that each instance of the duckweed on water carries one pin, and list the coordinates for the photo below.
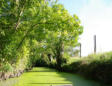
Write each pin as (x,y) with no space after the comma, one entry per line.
(47,77)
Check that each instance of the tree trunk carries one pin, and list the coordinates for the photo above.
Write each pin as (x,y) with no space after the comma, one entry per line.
(59,52)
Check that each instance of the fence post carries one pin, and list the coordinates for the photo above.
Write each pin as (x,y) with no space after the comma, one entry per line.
(94,44)
(80,50)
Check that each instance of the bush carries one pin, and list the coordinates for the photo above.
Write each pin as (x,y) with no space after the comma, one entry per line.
(97,67)
(42,62)
(6,67)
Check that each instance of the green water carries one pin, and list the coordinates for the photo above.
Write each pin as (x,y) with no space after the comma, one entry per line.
(48,77)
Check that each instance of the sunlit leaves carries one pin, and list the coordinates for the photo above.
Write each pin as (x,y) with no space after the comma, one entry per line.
(33,27)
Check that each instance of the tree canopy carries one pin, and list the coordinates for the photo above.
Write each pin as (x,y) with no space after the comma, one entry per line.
(32,29)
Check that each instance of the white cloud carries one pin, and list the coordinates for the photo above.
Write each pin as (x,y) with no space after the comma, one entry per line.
(96,18)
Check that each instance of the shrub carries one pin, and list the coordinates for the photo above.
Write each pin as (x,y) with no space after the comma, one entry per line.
(42,62)
(97,67)
(6,67)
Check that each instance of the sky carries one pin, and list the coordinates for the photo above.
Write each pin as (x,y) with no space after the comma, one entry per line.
(96,18)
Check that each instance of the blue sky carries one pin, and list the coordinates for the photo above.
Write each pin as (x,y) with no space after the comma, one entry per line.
(96,17)
(73,6)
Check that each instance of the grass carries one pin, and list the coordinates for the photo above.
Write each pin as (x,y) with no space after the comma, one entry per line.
(48,77)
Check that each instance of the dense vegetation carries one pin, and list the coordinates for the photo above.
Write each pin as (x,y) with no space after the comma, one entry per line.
(33,31)
(95,66)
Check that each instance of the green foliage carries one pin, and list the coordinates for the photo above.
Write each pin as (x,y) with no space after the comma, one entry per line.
(42,62)
(35,30)
(95,66)
(6,67)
